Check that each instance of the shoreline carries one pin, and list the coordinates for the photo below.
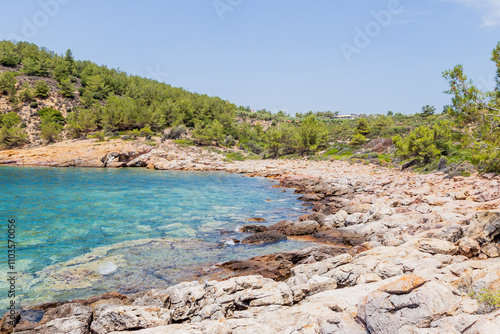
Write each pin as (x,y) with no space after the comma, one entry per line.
(439,233)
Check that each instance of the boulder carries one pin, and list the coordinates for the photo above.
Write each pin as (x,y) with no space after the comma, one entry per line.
(407,301)
(310,198)
(6,324)
(356,218)
(305,227)
(336,220)
(379,210)
(253,229)
(321,267)
(141,161)
(256,219)
(66,311)
(72,325)
(490,249)
(264,237)
(316,216)
(485,227)
(469,247)
(436,246)
(130,318)
(71,318)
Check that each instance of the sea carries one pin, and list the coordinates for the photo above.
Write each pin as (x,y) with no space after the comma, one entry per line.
(72,233)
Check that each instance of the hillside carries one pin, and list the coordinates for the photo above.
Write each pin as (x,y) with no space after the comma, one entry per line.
(46,98)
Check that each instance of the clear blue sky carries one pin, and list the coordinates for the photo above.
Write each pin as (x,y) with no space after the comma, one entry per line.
(276,54)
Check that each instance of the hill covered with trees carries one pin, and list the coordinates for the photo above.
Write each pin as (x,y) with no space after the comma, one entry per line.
(46,97)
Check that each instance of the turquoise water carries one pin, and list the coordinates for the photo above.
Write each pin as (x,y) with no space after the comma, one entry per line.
(87,231)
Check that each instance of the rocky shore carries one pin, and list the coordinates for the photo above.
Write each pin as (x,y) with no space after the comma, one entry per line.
(402,253)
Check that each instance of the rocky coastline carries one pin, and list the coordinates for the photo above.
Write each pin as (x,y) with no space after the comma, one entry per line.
(402,253)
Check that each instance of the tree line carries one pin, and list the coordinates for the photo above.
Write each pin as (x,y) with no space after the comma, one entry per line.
(111,102)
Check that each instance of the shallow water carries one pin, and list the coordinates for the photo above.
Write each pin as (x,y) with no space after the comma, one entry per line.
(86,231)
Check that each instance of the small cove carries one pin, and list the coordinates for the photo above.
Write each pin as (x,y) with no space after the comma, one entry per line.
(82,232)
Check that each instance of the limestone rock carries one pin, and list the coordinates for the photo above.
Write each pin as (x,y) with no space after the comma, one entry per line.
(413,305)
(491,249)
(130,318)
(264,237)
(469,247)
(305,227)
(356,218)
(66,311)
(485,226)
(336,220)
(436,246)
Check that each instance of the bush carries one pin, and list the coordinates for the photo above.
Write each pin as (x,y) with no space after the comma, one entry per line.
(229,141)
(362,127)
(99,136)
(42,90)
(183,142)
(12,137)
(146,132)
(8,83)
(234,156)
(50,132)
(358,139)
(134,134)
(251,146)
(67,88)
(488,297)
(50,115)
(420,143)
(26,93)
(177,132)
(34,105)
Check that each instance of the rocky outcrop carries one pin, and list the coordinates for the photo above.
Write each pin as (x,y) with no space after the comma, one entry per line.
(383,290)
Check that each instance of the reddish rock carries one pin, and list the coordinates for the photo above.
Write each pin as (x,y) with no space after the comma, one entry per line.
(253,229)
(256,219)
(264,237)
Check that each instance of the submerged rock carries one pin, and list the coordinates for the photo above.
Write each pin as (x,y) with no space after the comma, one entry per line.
(264,237)
(253,229)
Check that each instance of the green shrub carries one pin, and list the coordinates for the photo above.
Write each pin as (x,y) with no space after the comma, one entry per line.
(50,132)
(134,134)
(50,115)
(183,142)
(229,141)
(100,136)
(42,90)
(234,156)
(26,94)
(8,83)
(488,297)
(358,139)
(146,131)
(12,137)
(177,131)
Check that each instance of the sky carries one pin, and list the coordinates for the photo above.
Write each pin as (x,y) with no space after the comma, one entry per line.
(358,56)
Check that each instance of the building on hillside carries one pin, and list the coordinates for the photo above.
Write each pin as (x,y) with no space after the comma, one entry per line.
(351,116)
